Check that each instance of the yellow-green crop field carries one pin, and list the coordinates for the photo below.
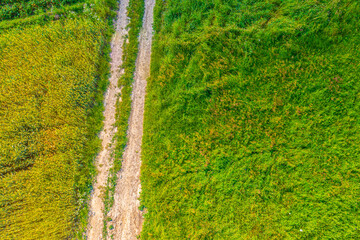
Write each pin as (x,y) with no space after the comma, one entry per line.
(52,78)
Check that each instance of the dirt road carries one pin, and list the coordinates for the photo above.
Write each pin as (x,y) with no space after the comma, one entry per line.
(125,214)
(104,160)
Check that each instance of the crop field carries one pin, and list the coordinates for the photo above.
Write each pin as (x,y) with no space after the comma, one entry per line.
(252,121)
(11,9)
(52,78)
(45,102)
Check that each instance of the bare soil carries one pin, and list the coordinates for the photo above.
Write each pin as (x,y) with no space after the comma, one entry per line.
(126,217)
(104,160)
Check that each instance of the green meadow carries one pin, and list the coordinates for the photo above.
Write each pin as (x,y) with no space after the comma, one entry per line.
(252,122)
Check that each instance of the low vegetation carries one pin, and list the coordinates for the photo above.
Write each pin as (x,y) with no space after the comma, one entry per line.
(52,78)
(45,101)
(11,9)
(252,123)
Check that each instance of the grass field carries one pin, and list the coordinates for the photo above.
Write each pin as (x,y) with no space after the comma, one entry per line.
(52,78)
(252,121)
(12,9)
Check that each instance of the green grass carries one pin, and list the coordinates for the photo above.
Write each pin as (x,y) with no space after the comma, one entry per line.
(12,9)
(73,11)
(252,121)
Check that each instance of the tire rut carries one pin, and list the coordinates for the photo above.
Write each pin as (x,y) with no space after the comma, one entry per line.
(126,217)
(104,160)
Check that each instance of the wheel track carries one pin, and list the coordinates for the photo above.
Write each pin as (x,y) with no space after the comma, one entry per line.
(104,160)
(125,214)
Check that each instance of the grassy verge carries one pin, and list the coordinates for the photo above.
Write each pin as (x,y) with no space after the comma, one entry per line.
(12,9)
(95,123)
(123,108)
(252,121)
(43,18)
(105,10)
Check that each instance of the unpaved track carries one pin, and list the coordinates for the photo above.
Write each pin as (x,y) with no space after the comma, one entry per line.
(104,160)
(125,214)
